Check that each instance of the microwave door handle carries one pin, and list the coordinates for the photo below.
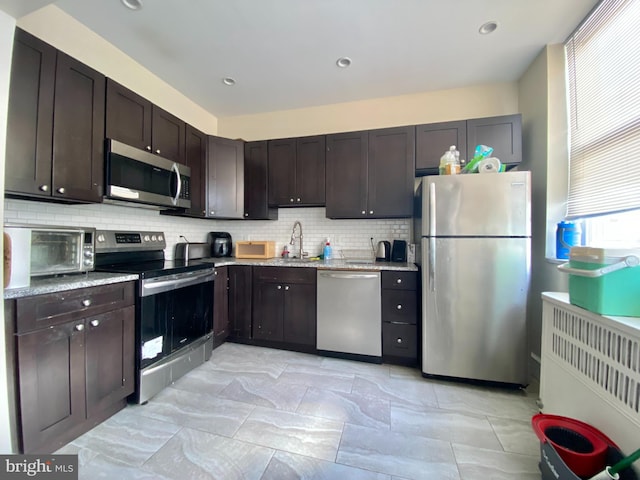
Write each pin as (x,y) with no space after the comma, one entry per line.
(175,169)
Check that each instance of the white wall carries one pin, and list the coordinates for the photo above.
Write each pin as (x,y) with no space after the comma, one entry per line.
(428,107)
(542,103)
(7,24)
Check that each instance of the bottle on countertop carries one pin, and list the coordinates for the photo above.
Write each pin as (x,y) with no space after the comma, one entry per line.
(327,252)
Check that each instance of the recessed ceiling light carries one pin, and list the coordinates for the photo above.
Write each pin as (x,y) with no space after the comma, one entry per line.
(343,62)
(487,28)
(132,4)
(228,81)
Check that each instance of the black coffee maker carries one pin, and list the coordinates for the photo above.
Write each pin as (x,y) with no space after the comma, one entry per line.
(220,244)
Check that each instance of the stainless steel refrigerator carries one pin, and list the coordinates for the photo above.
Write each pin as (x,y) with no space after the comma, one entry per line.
(475,239)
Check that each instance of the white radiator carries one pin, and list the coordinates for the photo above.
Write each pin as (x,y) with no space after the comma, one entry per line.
(590,369)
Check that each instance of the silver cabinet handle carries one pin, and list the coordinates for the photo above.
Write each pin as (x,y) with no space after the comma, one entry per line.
(212,212)
(370,212)
(291,200)
(399,340)
(286,287)
(158,151)
(86,302)
(44,188)
(363,212)
(246,214)
(95,323)
(61,190)
(399,281)
(399,307)
(297,199)
(279,287)
(148,147)
(215,272)
(79,327)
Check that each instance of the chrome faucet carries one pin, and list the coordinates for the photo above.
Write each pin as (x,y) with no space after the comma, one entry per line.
(293,238)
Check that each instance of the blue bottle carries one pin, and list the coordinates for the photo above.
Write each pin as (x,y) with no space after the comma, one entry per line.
(326,252)
(568,234)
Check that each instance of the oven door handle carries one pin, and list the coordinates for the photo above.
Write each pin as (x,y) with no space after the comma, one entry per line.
(153,287)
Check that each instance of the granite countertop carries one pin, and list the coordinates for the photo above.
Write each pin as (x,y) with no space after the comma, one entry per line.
(40,286)
(338,264)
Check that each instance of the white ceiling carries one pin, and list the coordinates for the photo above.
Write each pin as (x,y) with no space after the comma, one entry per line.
(282,53)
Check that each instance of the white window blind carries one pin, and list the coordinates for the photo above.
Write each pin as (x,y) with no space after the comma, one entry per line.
(603,66)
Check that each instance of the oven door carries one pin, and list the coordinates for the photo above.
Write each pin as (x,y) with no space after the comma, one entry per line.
(175,310)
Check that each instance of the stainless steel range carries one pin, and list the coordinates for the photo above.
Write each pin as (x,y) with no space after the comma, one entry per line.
(174,307)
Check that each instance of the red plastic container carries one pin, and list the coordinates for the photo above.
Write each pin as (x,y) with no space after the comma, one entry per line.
(581,447)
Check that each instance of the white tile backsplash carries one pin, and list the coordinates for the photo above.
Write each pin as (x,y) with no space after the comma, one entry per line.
(349,236)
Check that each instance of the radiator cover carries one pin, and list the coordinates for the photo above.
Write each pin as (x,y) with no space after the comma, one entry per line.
(590,369)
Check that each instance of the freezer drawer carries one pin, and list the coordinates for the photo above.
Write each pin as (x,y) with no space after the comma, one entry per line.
(474,308)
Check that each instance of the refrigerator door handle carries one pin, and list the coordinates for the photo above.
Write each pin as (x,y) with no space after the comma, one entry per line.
(432,263)
(432,209)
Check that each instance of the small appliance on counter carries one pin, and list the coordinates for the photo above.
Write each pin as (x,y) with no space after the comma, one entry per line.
(221,245)
(186,251)
(399,251)
(383,252)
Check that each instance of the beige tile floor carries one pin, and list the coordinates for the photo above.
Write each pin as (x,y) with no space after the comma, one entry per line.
(259,413)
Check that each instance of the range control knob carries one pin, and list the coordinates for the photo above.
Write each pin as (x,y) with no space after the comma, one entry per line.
(146,238)
(154,238)
(101,238)
(160,238)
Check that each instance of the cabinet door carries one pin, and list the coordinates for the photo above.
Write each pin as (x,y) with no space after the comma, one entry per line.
(78,131)
(391,172)
(310,170)
(225,178)
(51,382)
(221,305)
(128,117)
(434,139)
(346,175)
(196,159)
(167,135)
(30,116)
(282,172)
(268,310)
(109,358)
(503,133)
(300,314)
(256,196)
(240,301)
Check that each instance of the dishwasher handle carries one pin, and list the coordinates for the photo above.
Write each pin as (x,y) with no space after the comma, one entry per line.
(348,275)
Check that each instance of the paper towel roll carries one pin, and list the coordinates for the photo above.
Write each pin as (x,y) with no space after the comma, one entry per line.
(489,165)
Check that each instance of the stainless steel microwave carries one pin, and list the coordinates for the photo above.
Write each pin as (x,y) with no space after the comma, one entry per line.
(135,175)
(38,250)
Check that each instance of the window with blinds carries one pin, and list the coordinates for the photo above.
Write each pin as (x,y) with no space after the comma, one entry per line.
(603,68)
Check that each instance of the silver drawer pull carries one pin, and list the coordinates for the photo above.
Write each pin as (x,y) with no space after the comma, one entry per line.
(79,327)
(86,302)
(44,188)
(399,307)
(279,287)
(399,281)
(286,287)
(399,340)
(95,323)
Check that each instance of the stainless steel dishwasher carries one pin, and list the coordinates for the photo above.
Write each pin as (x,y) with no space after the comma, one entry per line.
(349,313)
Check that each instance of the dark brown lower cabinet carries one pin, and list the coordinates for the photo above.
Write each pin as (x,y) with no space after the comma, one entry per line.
(220,306)
(284,306)
(73,375)
(400,332)
(240,280)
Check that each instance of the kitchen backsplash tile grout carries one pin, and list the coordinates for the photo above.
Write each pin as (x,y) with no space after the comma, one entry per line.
(350,236)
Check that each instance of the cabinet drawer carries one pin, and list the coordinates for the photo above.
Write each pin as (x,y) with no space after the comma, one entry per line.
(55,308)
(399,306)
(400,340)
(285,274)
(400,280)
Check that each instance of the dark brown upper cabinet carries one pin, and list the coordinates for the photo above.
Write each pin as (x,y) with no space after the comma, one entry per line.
(225,178)
(371,174)
(297,171)
(256,193)
(196,159)
(134,120)
(502,133)
(55,125)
